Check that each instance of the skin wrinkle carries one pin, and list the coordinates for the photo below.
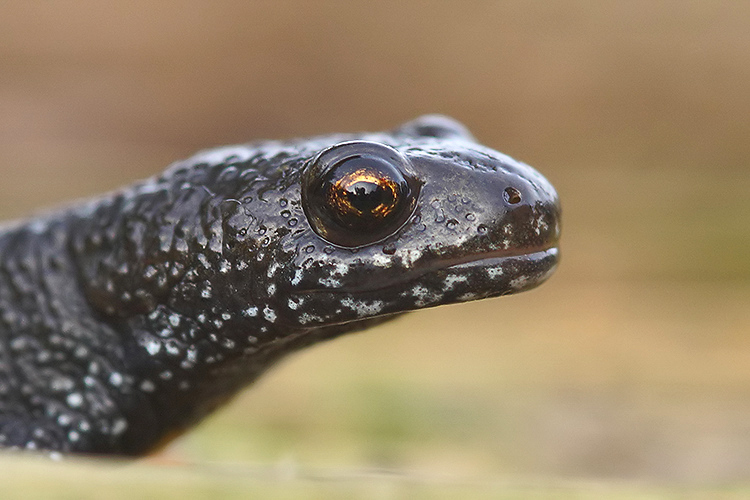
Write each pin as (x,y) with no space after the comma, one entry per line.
(126,319)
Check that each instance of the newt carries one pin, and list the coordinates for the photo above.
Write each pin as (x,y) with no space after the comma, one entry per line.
(126,319)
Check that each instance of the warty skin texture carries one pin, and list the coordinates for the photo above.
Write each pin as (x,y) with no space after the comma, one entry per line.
(127,319)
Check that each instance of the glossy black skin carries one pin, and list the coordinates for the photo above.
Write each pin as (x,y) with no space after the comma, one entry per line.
(125,320)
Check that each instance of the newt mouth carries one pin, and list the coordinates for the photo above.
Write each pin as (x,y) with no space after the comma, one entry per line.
(497,258)
(488,274)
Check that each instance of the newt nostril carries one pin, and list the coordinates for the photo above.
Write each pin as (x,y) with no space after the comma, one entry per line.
(512,196)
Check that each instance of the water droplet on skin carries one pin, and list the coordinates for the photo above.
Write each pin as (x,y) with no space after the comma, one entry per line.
(309,248)
(482,229)
(262,230)
(440,217)
(451,224)
(283,202)
(286,213)
(292,222)
(389,249)
(328,250)
(470,217)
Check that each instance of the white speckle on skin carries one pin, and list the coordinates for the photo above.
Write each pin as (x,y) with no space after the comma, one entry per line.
(203,260)
(269,314)
(519,282)
(18,343)
(174,320)
(250,312)
(224,266)
(119,426)
(341,268)
(271,289)
(329,282)
(206,292)
(116,379)
(61,384)
(423,296)
(451,280)
(381,260)
(297,278)
(74,400)
(182,247)
(305,318)
(226,316)
(410,256)
(241,265)
(494,272)
(153,347)
(148,386)
(363,308)
(272,269)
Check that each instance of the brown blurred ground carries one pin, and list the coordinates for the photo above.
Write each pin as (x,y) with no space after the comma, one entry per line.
(631,363)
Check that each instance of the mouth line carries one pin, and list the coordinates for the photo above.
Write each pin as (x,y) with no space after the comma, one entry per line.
(490,259)
(472,261)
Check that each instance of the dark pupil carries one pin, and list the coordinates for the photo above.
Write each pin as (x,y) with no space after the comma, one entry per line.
(362,190)
(368,196)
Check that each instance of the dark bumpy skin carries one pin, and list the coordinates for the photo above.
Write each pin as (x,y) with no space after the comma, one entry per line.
(127,319)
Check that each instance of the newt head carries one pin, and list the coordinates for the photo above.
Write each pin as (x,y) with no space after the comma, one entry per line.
(415,218)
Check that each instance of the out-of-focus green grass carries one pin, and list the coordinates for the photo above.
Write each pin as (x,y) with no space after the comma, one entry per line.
(31,479)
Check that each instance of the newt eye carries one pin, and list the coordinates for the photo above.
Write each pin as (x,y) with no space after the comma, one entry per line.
(356,193)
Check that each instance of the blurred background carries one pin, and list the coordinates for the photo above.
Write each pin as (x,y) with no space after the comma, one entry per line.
(631,365)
